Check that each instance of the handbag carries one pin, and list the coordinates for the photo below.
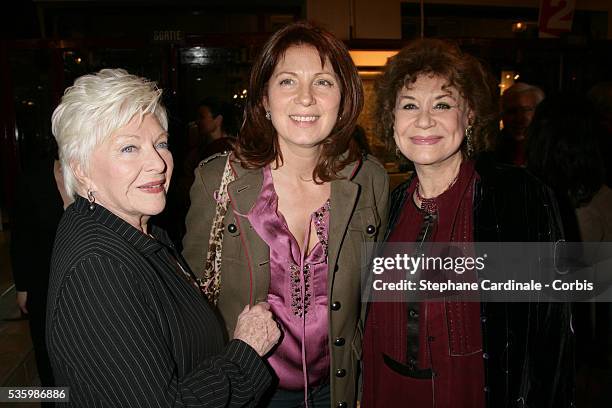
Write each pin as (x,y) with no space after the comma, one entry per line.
(210,283)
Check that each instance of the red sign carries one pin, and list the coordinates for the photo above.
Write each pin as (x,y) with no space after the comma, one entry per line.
(556,17)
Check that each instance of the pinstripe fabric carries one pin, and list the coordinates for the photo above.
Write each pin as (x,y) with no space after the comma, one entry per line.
(126,330)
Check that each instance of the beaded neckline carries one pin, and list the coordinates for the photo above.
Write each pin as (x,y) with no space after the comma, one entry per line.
(430,205)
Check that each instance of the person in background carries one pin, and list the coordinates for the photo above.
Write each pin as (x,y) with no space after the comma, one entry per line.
(300,200)
(565,151)
(127,324)
(213,132)
(218,121)
(37,210)
(600,96)
(216,126)
(437,105)
(518,104)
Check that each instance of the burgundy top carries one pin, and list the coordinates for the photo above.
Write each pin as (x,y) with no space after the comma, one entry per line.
(449,334)
(298,291)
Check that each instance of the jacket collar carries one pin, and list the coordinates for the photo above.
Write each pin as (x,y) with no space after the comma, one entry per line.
(134,237)
(247,185)
(245,189)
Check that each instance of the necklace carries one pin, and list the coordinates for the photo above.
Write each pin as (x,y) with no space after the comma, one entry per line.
(429,205)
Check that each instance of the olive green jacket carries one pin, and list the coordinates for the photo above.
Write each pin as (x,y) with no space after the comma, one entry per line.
(358,211)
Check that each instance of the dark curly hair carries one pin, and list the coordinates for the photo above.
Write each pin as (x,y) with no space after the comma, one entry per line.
(564,147)
(464,72)
(257,143)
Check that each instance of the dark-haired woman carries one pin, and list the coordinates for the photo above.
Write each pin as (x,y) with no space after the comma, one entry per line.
(435,104)
(302,199)
(564,150)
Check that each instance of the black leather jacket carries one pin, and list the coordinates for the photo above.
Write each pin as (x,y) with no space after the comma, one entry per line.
(528,348)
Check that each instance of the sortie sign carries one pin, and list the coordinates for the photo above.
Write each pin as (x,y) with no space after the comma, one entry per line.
(168,36)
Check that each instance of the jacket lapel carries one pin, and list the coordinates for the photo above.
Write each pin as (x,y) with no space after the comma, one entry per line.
(343,198)
(243,192)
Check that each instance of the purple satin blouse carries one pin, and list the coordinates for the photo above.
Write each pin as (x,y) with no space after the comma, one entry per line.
(298,291)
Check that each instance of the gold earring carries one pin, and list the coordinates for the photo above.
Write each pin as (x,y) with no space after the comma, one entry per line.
(469,142)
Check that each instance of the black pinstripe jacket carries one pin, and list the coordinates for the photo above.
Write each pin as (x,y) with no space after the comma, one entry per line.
(126,329)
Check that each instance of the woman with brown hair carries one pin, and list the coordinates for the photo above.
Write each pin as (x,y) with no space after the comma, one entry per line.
(437,104)
(283,218)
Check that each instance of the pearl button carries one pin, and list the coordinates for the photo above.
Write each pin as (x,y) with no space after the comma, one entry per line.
(336,306)
(371,229)
(232,228)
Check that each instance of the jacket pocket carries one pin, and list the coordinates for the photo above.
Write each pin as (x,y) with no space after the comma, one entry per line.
(366,221)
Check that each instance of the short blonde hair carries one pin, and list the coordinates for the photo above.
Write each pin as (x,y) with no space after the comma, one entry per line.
(95,107)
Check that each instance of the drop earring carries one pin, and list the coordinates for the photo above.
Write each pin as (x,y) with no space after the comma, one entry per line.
(469,142)
(91,199)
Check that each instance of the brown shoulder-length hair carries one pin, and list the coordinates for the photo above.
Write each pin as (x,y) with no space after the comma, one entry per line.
(469,76)
(257,143)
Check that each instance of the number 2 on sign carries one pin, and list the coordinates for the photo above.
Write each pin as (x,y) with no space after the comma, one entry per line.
(561,20)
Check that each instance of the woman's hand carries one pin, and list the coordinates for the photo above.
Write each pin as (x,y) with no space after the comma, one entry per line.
(257,328)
